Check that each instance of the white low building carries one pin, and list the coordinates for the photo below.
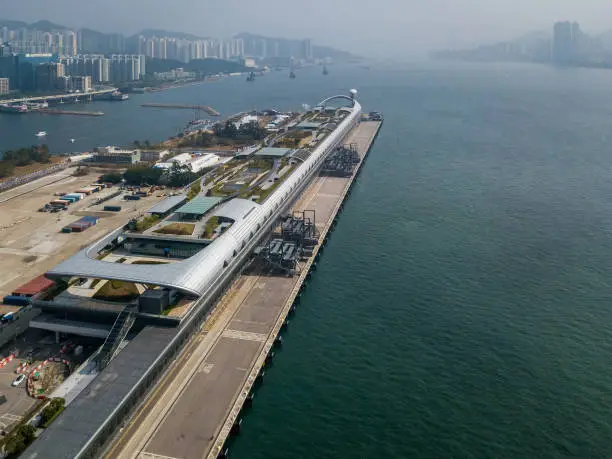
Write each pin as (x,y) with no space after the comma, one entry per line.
(246,119)
(204,161)
(181,160)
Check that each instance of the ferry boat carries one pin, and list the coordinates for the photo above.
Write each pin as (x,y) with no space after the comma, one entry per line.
(119,96)
(8,108)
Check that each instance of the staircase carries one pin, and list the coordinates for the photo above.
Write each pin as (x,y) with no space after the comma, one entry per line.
(117,334)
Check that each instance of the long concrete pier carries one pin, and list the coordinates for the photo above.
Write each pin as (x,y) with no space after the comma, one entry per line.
(193,409)
(205,108)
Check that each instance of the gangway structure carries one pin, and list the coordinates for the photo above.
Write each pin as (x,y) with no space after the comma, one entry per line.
(117,334)
(294,238)
(341,162)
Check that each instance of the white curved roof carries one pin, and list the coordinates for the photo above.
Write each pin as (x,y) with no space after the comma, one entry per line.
(192,275)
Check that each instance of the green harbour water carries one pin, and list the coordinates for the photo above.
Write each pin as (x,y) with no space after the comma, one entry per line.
(461,308)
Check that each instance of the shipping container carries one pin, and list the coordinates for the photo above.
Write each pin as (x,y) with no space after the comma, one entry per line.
(90,221)
(112,208)
(69,199)
(131,197)
(77,196)
(66,229)
(16,300)
(59,203)
(34,287)
(80,224)
(76,228)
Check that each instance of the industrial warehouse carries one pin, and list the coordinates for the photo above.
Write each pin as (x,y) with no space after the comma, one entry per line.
(148,286)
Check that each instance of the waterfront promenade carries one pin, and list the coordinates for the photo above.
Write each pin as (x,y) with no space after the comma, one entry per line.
(190,413)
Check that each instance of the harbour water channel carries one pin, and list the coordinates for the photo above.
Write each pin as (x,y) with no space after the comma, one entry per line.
(461,308)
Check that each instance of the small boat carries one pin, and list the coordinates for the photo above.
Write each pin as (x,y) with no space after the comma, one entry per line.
(41,134)
(251,77)
(292,75)
(72,140)
(325,71)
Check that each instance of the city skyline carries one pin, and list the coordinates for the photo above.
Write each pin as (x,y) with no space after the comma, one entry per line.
(398,28)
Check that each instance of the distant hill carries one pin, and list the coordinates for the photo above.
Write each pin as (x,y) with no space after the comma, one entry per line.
(12,24)
(47,26)
(44,26)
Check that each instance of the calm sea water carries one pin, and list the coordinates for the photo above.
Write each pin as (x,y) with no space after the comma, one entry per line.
(462,306)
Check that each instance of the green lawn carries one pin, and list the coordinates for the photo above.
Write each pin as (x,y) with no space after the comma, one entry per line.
(210,226)
(179,229)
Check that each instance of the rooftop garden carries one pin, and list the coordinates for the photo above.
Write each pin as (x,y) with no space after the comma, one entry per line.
(178,229)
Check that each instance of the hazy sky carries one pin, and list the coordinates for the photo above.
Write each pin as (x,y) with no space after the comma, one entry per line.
(374,27)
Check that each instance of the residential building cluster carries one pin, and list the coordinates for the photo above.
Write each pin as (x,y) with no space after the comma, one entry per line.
(35,60)
(25,41)
(48,73)
(175,74)
(186,50)
(115,68)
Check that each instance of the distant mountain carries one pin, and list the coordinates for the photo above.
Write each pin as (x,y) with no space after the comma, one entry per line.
(47,26)
(13,25)
(328,51)
(44,26)
(531,47)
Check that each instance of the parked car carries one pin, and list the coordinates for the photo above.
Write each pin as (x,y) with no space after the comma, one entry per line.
(18,380)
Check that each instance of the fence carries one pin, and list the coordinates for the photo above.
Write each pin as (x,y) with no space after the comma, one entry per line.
(16,181)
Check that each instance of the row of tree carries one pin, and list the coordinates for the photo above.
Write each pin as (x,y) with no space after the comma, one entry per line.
(247,131)
(23,157)
(177,176)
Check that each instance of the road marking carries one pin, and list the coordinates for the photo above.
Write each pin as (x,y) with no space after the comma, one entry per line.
(145,455)
(236,334)
(207,367)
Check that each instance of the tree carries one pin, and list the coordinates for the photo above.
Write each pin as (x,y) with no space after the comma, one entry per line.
(143,175)
(111,177)
(147,144)
(180,176)
(80,172)
(52,410)
(228,130)
(194,190)
(253,131)
(6,168)
(137,143)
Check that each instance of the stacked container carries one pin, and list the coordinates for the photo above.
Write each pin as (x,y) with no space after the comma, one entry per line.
(80,225)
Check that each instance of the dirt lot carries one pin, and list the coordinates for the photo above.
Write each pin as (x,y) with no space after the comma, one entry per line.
(31,242)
